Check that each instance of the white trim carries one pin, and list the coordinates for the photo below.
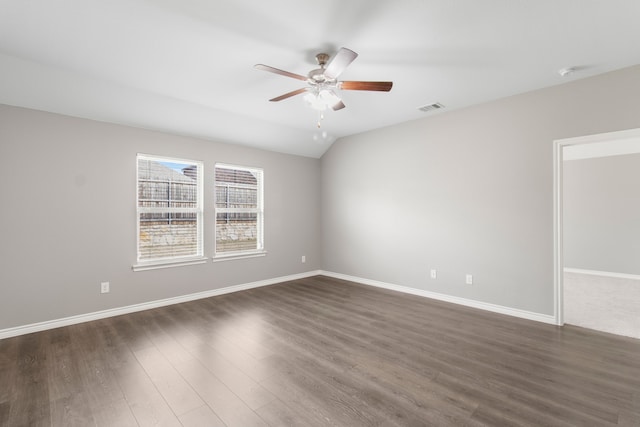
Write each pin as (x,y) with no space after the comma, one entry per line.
(529,315)
(558,244)
(72,320)
(198,210)
(603,273)
(258,210)
(228,256)
(620,135)
(168,264)
(602,149)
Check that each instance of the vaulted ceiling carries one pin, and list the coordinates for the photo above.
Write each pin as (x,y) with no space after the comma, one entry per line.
(186,66)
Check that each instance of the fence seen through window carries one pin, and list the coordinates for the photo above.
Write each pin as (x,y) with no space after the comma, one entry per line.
(169,209)
(239,213)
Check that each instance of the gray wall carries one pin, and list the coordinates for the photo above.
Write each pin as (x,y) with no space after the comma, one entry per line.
(602,214)
(68,218)
(468,191)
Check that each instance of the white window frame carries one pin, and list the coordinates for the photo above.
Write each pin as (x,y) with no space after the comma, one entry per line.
(259,211)
(174,261)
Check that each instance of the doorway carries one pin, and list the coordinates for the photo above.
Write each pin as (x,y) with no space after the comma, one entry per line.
(587,147)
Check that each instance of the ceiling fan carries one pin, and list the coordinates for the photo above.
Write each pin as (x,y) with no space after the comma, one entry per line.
(322,82)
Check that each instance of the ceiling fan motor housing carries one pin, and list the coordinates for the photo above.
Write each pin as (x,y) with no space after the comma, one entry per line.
(317,76)
(322,59)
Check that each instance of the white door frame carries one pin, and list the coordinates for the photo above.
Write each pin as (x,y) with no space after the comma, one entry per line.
(626,142)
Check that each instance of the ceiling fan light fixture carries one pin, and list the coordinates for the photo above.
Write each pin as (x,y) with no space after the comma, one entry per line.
(329,97)
(315,101)
(322,99)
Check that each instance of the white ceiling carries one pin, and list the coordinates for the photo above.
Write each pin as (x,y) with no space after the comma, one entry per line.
(186,66)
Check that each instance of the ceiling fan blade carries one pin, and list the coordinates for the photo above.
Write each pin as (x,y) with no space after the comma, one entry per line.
(339,63)
(289,94)
(355,85)
(339,106)
(281,72)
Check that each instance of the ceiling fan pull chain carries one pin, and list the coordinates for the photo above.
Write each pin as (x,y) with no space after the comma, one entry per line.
(320,118)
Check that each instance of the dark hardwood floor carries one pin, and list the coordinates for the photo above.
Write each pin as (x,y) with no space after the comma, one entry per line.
(318,352)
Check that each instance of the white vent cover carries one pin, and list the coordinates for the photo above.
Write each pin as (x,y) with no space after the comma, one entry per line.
(430,107)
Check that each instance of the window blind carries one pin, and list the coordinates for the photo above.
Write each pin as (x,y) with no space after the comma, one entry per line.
(169,208)
(239,209)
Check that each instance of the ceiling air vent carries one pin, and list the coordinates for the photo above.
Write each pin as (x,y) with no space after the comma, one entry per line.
(431,107)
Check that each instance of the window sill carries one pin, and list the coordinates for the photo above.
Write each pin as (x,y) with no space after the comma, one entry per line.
(168,264)
(238,255)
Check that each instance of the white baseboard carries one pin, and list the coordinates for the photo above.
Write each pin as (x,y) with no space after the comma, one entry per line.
(529,315)
(72,320)
(603,273)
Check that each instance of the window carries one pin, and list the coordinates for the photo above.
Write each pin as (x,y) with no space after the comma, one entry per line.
(169,209)
(239,210)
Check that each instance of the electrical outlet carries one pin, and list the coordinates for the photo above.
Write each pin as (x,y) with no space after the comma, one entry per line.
(104,287)
(303,259)
(434,273)
(469,279)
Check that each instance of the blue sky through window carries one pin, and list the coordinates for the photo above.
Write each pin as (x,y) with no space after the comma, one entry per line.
(175,166)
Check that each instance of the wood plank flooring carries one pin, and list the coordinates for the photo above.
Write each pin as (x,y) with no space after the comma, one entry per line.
(319,352)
